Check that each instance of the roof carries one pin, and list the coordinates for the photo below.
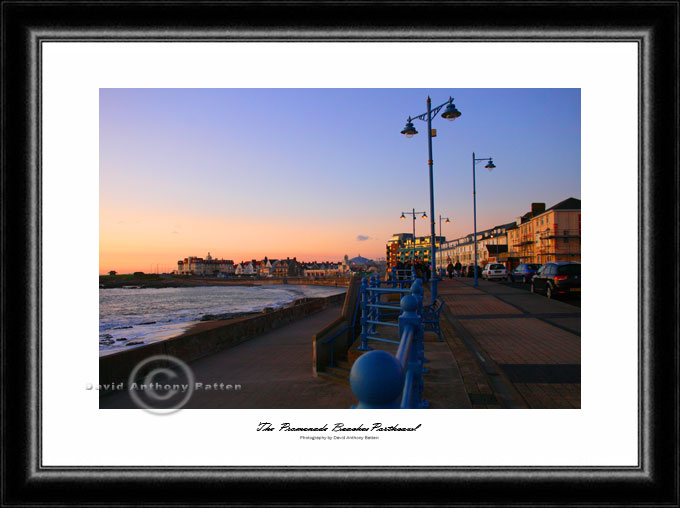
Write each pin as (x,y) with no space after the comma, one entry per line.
(567,204)
(509,225)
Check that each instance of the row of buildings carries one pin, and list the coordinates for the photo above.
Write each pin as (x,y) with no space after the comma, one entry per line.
(211,267)
(538,236)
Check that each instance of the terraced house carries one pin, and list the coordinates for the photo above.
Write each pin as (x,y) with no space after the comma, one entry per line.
(286,268)
(538,236)
(548,235)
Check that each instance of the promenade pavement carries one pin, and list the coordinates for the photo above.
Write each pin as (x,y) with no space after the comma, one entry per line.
(514,349)
(274,370)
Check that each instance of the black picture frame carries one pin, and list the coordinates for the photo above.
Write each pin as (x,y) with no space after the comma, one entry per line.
(653,25)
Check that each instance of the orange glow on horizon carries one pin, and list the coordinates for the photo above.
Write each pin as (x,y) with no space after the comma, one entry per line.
(147,242)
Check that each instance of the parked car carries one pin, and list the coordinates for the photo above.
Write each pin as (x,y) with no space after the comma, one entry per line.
(495,271)
(469,271)
(524,272)
(557,279)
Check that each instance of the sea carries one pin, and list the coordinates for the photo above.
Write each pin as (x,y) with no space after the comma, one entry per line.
(132,317)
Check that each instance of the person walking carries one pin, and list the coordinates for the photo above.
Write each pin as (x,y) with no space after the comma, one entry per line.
(450,269)
(457,268)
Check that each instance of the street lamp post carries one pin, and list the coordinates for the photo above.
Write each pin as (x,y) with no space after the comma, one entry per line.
(490,166)
(413,213)
(448,221)
(450,113)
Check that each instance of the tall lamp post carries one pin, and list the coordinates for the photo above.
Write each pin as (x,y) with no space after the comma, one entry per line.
(450,113)
(413,213)
(448,221)
(490,166)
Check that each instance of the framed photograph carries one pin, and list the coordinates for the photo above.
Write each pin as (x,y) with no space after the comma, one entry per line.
(270,136)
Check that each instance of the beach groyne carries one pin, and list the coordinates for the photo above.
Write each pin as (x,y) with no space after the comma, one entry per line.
(208,337)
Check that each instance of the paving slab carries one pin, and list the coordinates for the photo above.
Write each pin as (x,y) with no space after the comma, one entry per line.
(528,357)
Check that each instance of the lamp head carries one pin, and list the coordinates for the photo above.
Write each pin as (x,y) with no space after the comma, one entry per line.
(451,113)
(402,216)
(424,215)
(447,221)
(490,166)
(409,130)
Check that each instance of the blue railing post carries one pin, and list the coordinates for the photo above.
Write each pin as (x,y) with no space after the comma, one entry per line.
(418,291)
(419,367)
(410,317)
(371,299)
(377,297)
(364,315)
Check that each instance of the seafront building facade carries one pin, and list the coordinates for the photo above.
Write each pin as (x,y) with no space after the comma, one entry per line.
(393,245)
(326,269)
(538,236)
(550,235)
(402,247)
(265,268)
(205,266)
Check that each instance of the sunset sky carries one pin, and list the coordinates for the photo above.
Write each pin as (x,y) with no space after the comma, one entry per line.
(317,173)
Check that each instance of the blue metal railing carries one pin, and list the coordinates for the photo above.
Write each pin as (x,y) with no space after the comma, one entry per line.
(383,381)
(374,311)
(401,277)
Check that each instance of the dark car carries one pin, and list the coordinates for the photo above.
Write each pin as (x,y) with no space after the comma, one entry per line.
(557,279)
(524,272)
(470,271)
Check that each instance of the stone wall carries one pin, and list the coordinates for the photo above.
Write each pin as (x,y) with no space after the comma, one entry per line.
(341,328)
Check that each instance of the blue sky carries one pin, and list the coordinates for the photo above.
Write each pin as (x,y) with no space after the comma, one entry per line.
(252,172)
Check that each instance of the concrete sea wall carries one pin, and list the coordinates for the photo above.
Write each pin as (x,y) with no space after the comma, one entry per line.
(208,337)
(341,329)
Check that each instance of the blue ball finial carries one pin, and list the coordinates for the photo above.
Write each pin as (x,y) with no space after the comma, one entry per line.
(377,380)
(409,303)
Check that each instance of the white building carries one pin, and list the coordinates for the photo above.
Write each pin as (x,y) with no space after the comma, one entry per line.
(244,268)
